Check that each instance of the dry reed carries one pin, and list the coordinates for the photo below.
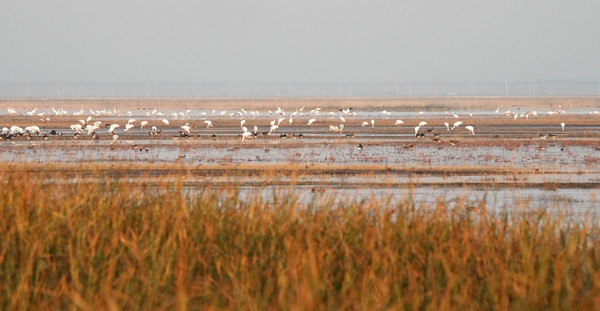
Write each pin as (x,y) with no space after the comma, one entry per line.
(117,244)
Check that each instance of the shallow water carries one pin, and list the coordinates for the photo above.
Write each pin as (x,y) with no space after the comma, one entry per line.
(574,166)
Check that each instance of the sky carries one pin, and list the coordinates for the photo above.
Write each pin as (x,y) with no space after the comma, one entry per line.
(304,41)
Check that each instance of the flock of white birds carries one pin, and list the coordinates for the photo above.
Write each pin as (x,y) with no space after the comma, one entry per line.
(90,125)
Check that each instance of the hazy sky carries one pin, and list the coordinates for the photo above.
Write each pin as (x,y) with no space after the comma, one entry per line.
(300,41)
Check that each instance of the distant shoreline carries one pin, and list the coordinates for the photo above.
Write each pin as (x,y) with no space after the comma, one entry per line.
(400,103)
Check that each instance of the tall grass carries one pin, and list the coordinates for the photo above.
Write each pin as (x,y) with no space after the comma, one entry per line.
(114,244)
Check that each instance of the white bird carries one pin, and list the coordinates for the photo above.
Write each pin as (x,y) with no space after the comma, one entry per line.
(130,121)
(246,134)
(422,123)
(114,138)
(187,129)
(165,121)
(365,124)
(128,126)
(91,128)
(456,124)
(342,119)
(76,128)
(208,123)
(447,126)
(562,124)
(112,128)
(311,121)
(470,128)
(242,123)
(142,124)
(89,118)
(32,129)
(372,123)
(255,129)
(497,110)
(16,129)
(280,120)
(273,127)
(399,122)
(417,129)
(455,115)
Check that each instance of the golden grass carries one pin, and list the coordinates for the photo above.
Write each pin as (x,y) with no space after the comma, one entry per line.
(120,245)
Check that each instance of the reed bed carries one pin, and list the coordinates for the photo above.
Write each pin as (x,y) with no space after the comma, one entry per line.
(116,244)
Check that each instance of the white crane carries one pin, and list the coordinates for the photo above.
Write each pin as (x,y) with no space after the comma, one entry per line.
(91,128)
(471,129)
(142,124)
(273,127)
(422,123)
(76,128)
(128,126)
(187,129)
(398,122)
(311,121)
(208,123)
(562,125)
(112,128)
(165,121)
(456,124)
(246,134)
